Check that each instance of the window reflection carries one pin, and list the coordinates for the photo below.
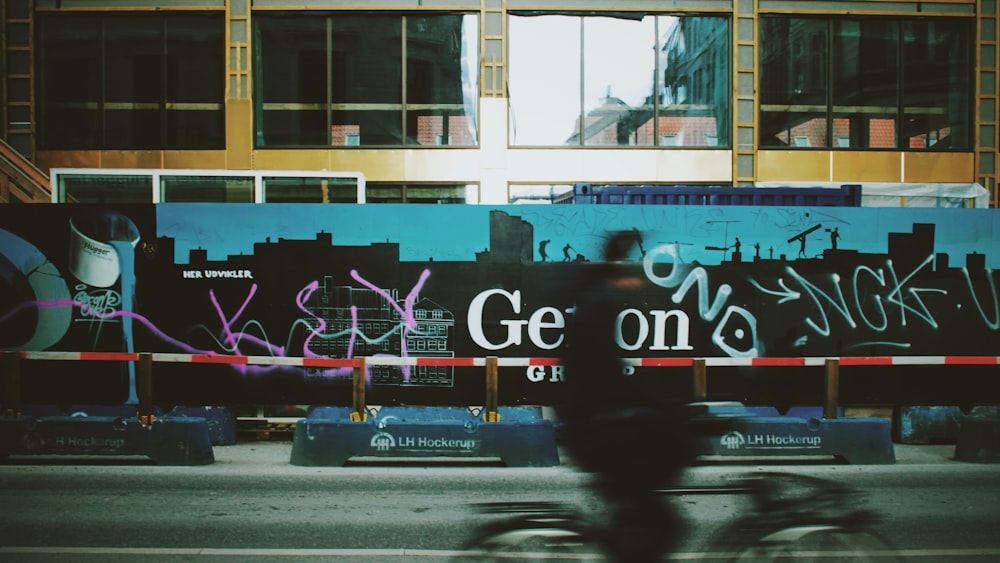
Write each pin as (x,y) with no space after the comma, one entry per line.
(543,194)
(544,79)
(864,81)
(893,83)
(694,61)
(347,80)
(793,82)
(631,81)
(617,85)
(937,84)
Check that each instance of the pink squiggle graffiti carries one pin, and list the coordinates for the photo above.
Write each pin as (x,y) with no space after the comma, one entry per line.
(233,339)
(314,332)
(228,337)
(406,311)
(300,301)
(89,311)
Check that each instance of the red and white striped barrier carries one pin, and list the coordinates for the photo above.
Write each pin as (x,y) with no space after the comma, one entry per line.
(506,362)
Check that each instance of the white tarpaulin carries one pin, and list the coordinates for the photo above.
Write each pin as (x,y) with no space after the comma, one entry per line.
(898,194)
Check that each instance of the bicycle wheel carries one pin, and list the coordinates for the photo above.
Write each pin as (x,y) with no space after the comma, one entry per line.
(820,543)
(534,544)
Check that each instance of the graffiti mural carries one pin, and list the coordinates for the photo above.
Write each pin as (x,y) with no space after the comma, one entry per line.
(348,281)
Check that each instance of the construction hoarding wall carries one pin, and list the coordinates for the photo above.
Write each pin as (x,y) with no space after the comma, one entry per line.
(343,281)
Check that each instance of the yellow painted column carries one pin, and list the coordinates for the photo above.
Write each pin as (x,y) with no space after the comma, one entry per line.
(239,105)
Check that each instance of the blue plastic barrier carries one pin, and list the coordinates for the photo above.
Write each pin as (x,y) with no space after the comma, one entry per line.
(854,440)
(221,421)
(167,441)
(328,436)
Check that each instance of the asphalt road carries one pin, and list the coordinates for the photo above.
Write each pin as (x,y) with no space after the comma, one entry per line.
(252,505)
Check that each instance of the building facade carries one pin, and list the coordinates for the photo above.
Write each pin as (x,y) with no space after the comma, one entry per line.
(497,101)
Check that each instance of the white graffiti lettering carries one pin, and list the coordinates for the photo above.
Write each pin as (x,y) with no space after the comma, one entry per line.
(545,326)
(879,288)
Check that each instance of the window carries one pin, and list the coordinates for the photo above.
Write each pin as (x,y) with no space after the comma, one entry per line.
(937,84)
(421,193)
(96,188)
(539,194)
(893,83)
(216,189)
(360,80)
(641,80)
(131,81)
(95,185)
(296,189)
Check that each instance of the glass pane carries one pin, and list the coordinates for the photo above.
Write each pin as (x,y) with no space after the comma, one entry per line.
(69,82)
(310,190)
(694,96)
(367,59)
(133,59)
(436,194)
(437,127)
(220,189)
(543,74)
(540,194)
(937,84)
(352,128)
(421,193)
(291,80)
(291,127)
(383,193)
(793,82)
(201,128)
(105,189)
(864,89)
(366,80)
(442,88)
(619,60)
(133,81)
(195,88)
(133,127)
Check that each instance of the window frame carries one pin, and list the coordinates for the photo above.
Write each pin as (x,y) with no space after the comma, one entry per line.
(835,116)
(98,108)
(722,100)
(349,136)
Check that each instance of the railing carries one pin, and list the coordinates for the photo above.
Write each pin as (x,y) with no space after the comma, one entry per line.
(699,371)
(20,179)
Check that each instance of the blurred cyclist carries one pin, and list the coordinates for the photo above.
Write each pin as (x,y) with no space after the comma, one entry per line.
(632,439)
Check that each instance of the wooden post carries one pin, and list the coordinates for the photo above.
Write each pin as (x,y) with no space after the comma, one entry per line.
(492,390)
(144,387)
(11,385)
(700,380)
(831,398)
(359,408)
